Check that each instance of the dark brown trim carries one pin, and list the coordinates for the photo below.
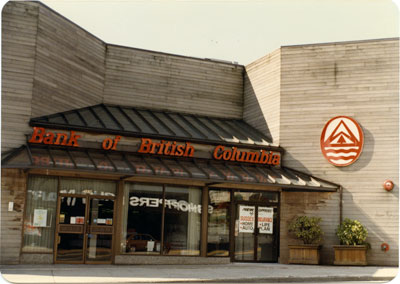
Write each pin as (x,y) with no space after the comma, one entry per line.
(162,221)
(204,222)
(24,215)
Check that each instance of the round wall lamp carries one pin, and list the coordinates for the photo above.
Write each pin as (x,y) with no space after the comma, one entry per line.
(384,247)
(388,185)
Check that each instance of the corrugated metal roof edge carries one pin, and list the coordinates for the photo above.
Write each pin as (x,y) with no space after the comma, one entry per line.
(284,187)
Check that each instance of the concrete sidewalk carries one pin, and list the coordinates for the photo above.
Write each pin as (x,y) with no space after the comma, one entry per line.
(234,272)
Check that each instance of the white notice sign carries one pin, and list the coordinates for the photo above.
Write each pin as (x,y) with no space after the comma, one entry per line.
(246,219)
(39,218)
(265,220)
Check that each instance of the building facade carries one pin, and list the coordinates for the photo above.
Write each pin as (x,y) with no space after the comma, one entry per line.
(113,154)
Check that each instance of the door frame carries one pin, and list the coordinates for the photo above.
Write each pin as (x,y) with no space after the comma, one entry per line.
(233,224)
(85,227)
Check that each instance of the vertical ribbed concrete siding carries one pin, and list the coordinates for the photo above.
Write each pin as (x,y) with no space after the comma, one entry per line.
(69,66)
(19,28)
(360,80)
(13,184)
(162,81)
(262,94)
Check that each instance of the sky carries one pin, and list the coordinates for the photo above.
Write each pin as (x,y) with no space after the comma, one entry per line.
(233,30)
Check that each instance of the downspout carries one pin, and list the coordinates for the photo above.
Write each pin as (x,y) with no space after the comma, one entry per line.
(340,204)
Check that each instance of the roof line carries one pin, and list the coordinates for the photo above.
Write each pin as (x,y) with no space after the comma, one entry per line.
(342,42)
(68,20)
(135,48)
(221,61)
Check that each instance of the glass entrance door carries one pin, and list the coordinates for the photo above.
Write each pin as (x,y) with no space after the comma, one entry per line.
(255,233)
(85,226)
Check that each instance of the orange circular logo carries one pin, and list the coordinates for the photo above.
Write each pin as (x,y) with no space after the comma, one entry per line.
(342,141)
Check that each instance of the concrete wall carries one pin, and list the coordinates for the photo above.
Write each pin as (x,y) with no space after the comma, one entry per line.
(69,66)
(163,81)
(51,65)
(13,187)
(262,94)
(360,80)
(19,29)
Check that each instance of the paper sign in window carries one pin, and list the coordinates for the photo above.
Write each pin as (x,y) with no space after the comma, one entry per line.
(40,218)
(265,220)
(246,219)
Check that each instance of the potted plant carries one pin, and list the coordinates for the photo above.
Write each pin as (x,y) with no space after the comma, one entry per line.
(308,230)
(353,246)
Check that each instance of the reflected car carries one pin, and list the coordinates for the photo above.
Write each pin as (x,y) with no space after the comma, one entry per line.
(139,243)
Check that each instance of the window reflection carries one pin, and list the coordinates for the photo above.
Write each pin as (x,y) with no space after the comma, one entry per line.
(142,217)
(182,220)
(218,223)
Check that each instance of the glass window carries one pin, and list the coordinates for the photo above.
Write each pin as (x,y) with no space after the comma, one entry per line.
(218,223)
(256,196)
(87,186)
(182,220)
(40,214)
(142,219)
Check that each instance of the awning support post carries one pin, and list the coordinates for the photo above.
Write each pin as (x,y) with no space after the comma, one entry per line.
(204,221)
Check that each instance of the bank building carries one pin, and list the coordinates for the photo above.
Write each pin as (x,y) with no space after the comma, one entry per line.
(119,155)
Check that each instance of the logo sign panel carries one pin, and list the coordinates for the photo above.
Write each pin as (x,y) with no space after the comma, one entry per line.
(342,141)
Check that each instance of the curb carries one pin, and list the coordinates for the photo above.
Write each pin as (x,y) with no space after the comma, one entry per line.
(288,279)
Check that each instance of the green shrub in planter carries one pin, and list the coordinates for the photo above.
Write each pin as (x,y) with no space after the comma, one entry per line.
(353,246)
(306,229)
(352,232)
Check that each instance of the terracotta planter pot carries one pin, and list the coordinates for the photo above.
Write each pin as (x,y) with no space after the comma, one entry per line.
(304,254)
(350,255)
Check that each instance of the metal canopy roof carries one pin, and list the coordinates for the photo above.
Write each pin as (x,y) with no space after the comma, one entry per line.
(132,164)
(131,121)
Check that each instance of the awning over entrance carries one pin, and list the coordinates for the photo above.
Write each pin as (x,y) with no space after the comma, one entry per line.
(132,121)
(128,164)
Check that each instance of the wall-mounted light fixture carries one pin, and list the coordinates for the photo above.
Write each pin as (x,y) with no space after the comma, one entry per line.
(384,247)
(388,185)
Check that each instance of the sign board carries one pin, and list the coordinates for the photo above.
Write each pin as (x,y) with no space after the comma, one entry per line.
(342,141)
(246,218)
(265,220)
(149,146)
